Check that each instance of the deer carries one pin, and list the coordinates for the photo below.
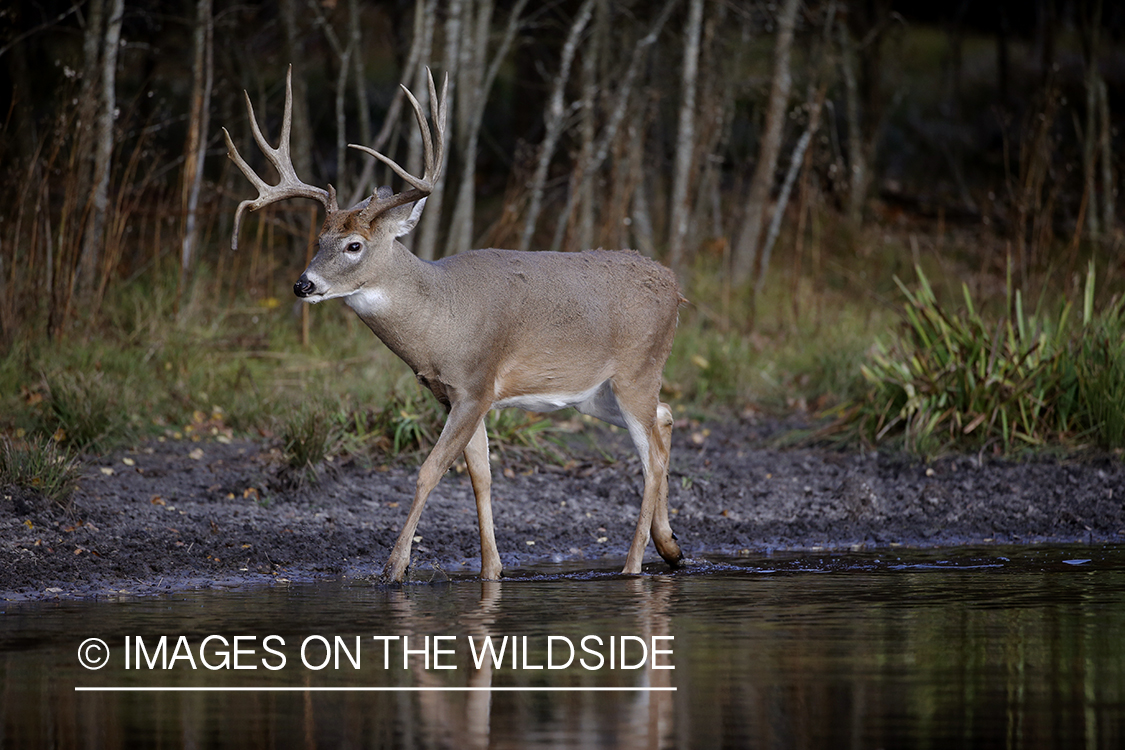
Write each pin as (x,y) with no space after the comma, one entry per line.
(491,328)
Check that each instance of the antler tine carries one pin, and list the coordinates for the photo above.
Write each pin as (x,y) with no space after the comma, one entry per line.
(433,151)
(289,186)
(437,114)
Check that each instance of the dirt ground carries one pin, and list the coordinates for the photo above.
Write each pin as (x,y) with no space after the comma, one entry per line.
(177,515)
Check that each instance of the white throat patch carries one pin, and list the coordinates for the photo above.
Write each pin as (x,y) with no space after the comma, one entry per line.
(368,301)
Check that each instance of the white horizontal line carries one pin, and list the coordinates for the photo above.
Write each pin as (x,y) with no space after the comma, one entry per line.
(368,689)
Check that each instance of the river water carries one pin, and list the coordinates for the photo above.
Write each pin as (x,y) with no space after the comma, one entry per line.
(990,647)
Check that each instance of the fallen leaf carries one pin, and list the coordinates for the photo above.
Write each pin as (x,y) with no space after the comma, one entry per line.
(128,462)
(107,471)
(196,454)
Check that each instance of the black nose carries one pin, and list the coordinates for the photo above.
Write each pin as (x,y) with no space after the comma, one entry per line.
(303,287)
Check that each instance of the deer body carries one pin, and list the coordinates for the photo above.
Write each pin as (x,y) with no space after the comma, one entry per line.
(492,329)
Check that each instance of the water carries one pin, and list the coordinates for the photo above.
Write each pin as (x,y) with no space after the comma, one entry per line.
(996,647)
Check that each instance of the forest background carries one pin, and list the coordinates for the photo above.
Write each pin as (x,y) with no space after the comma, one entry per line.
(901,215)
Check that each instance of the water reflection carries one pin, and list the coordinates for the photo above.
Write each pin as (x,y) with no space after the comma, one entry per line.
(1015,648)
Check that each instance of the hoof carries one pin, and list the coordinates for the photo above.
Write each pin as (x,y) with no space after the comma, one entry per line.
(391,575)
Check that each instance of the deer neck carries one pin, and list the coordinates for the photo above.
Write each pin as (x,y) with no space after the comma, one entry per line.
(399,304)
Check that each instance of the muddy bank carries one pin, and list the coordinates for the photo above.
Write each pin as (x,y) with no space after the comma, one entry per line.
(177,515)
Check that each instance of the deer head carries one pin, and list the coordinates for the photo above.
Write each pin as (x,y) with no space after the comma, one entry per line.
(353,242)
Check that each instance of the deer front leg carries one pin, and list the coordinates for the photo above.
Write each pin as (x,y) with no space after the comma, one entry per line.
(476,458)
(463,419)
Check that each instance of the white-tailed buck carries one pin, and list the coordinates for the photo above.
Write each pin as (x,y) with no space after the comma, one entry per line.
(490,329)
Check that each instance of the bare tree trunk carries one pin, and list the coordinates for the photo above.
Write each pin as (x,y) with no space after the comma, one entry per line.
(640,218)
(714,121)
(461,228)
(1090,28)
(341,120)
(814,105)
(580,188)
(470,72)
(795,164)
(425,19)
(1109,190)
(90,262)
(202,76)
(685,139)
(302,129)
(857,164)
(555,119)
(88,96)
(355,42)
(344,53)
(431,223)
(746,250)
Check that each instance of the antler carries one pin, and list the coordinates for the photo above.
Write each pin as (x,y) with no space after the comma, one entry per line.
(290,186)
(433,153)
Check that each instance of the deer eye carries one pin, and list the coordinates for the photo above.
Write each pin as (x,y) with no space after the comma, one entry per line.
(353,247)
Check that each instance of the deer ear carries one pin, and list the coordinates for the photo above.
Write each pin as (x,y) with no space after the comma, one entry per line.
(405,226)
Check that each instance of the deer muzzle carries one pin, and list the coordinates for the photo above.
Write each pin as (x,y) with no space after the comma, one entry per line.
(304,287)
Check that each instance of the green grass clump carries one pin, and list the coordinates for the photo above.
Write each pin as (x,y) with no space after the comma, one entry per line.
(39,465)
(956,380)
(410,421)
(310,435)
(84,410)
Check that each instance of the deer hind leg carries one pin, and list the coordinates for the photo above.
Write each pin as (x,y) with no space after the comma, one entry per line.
(476,458)
(651,431)
(459,428)
(661,447)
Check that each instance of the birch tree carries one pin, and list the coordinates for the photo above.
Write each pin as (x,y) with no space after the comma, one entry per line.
(202,77)
(344,54)
(685,139)
(857,164)
(1091,30)
(757,204)
(814,105)
(432,217)
(475,86)
(90,260)
(1109,187)
(302,129)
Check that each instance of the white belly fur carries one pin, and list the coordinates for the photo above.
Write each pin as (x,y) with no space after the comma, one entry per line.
(598,401)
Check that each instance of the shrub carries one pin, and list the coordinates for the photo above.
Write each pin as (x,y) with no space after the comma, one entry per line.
(41,466)
(954,380)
